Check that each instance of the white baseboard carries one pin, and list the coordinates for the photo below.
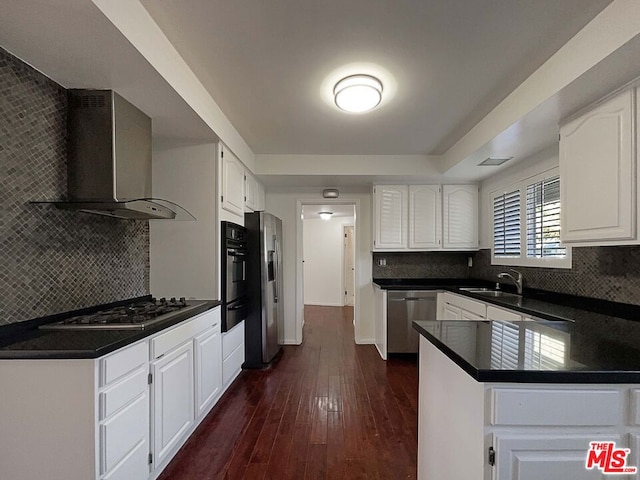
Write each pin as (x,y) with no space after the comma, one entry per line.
(365,341)
(290,342)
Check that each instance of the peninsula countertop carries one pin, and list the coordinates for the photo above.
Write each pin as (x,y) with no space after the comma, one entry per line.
(540,351)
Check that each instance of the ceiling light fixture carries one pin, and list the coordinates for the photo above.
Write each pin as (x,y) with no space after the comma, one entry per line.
(325,215)
(330,193)
(358,93)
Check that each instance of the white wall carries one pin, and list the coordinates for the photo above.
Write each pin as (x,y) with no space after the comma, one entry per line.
(284,204)
(323,247)
(538,163)
(184,254)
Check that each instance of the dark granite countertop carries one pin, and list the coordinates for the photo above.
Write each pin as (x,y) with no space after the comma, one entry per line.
(541,351)
(537,303)
(600,340)
(26,341)
(427,283)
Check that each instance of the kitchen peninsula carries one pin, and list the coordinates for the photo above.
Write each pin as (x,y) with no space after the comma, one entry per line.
(506,400)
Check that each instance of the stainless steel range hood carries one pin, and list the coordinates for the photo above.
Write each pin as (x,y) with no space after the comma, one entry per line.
(109,170)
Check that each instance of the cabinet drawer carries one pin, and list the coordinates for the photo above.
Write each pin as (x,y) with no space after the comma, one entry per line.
(555,407)
(121,393)
(495,313)
(124,432)
(122,362)
(473,306)
(232,339)
(135,465)
(232,364)
(184,331)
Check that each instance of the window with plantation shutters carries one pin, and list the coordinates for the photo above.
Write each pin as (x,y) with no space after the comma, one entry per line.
(506,224)
(543,220)
(526,223)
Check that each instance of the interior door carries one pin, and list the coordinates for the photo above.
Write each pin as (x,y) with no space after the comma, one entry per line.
(349,265)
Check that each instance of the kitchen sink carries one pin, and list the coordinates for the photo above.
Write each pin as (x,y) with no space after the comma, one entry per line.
(489,292)
(494,293)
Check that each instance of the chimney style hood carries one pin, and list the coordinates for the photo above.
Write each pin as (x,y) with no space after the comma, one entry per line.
(109,155)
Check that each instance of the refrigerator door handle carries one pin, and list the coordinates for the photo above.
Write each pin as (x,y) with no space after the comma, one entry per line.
(276,269)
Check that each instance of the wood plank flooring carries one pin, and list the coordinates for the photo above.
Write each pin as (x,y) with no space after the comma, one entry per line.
(328,409)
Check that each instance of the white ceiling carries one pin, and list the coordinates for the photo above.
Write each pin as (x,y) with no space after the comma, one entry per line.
(445,63)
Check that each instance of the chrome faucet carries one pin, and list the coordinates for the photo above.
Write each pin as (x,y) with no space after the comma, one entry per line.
(517,279)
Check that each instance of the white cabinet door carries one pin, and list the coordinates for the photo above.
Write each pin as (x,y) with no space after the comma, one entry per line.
(549,457)
(250,193)
(597,171)
(173,401)
(460,217)
(450,312)
(391,215)
(208,352)
(425,217)
(232,183)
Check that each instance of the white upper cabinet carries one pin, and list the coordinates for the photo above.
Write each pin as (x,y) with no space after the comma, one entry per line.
(598,172)
(425,212)
(232,183)
(425,217)
(250,192)
(390,221)
(460,217)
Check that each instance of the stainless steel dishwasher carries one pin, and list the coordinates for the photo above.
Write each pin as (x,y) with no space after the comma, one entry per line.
(403,307)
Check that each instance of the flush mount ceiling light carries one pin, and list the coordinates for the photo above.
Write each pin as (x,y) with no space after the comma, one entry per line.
(494,161)
(325,215)
(330,193)
(358,93)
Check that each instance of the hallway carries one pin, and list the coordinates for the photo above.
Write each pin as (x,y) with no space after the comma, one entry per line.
(329,409)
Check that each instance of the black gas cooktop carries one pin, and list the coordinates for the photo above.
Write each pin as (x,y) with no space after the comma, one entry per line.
(137,315)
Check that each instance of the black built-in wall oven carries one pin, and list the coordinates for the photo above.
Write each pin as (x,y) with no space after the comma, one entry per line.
(234,278)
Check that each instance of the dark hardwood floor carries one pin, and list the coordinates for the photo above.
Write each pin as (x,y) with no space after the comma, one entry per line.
(328,409)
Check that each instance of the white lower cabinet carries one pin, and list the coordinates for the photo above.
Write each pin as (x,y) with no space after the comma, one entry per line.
(451,312)
(232,353)
(380,314)
(516,431)
(124,440)
(119,417)
(459,307)
(548,457)
(173,399)
(208,352)
(496,313)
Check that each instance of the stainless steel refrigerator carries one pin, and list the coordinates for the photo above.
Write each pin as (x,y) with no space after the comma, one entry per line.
(265,319)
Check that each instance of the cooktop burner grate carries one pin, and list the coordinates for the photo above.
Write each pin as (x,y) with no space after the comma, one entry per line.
(138,316)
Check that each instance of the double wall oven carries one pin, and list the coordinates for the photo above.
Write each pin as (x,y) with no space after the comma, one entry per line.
(234,275)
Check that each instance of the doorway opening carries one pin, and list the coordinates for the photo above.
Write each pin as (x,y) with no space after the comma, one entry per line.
(329,255)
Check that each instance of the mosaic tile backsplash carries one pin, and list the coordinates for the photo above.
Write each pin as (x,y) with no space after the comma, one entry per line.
(51,260)
(608,273)
(422,265)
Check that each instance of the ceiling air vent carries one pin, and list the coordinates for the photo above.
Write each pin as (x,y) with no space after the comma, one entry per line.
(494,161)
